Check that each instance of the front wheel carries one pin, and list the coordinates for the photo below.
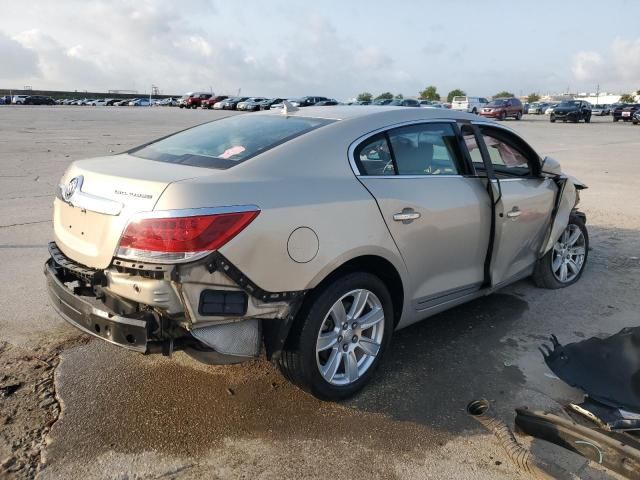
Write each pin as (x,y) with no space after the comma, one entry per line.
(564,263)
(340,337)
(502,116)
(518,115)
(587,119)
(552,119)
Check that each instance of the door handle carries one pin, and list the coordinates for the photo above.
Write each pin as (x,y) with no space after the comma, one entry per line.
(514,213)
(407,215)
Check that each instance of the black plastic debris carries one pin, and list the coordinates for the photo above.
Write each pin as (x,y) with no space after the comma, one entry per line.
(607,369)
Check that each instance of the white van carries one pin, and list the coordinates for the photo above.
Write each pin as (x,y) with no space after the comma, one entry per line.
(468,104)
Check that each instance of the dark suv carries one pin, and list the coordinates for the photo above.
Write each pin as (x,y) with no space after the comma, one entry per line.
(572,110)
(501,108)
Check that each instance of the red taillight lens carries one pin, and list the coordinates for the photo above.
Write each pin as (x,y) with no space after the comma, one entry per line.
(180,238)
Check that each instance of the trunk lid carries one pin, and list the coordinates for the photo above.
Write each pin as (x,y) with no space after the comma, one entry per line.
(109,191)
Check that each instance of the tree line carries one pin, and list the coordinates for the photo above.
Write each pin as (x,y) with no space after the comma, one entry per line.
(429,93)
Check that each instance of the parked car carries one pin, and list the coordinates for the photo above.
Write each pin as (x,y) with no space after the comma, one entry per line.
(572,110)
(251,100)
(434,105)
(538,108)
(502,108)
(124,102)
(525,108)
(140,102)
(307,101)
(271,103)
(328,103)
(636,117)
(626,113)
(550,108)
(38,100)
(231,103)
(404,102)
(600,110)
(469,104)
(193,99)
(19,99)
(208,103)
(383,101)
(171,259)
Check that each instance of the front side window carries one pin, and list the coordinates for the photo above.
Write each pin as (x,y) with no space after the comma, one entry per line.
(426,149)
(225,143)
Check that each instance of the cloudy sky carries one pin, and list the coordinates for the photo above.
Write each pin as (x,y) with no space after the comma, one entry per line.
(336,48)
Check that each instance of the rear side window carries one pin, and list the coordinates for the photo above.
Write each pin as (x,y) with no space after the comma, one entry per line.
(225,143)
(423,149)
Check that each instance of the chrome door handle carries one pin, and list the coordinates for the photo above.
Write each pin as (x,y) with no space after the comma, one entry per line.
(407,215)
(514,213)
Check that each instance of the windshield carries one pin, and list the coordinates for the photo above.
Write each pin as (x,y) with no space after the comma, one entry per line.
(569,103)
(497,103)
(227,142)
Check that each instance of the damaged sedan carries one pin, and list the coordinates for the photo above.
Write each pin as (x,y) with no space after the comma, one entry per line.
(310,234)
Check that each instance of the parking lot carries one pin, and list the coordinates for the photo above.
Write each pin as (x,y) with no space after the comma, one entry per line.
(84,409)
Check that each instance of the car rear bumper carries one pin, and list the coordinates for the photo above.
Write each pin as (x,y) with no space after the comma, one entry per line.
(86,314)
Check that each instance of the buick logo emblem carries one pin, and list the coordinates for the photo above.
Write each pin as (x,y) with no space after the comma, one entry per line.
(68,190)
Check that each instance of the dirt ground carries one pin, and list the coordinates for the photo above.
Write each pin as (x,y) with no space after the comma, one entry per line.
(72,407)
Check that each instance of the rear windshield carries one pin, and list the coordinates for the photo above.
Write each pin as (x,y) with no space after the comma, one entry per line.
(227,142)
(459,99)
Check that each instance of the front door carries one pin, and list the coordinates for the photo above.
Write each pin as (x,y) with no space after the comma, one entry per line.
(438,216)
(524,203)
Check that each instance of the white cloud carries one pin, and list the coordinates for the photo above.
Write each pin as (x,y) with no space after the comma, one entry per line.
(617,67)
(18,62)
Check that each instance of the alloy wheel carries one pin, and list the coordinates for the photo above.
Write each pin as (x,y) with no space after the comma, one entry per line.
(568,255)
(350,337)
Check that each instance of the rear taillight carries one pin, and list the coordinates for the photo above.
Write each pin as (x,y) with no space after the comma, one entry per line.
(180,238)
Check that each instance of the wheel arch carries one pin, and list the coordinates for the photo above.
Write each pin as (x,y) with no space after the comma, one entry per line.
(376,265)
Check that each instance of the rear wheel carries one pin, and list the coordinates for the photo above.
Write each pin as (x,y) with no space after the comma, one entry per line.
(340,337)
(502,115)
(564,263)
(615,119)
(587,119)
(518,115)
(552,118)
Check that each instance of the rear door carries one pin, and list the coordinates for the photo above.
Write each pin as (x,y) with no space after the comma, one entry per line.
(524,202)
(438,215)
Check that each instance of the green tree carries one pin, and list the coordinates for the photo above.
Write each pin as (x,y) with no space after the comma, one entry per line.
(429,93)
(364,97)
(398,96)
(627,98)
(533,97)
(385,96)
(502,94)
(456,92)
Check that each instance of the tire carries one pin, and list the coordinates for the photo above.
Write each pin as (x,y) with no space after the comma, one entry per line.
(503,116)
(587,119)
(474,111)
(615,119)
(518,115)
(635,122)
(301,363)
(544,275)
(552,119)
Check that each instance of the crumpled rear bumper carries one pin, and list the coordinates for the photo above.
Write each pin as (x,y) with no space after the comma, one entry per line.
(90,316)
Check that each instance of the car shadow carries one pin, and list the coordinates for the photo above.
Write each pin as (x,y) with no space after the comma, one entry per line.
(433,368)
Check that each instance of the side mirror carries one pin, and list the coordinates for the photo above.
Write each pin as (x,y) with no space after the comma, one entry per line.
(551,166)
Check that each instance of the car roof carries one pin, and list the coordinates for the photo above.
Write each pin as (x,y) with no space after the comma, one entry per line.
(381,113)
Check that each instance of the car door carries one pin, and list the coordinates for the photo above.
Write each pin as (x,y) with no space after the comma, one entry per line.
(437,213)
(524,200)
